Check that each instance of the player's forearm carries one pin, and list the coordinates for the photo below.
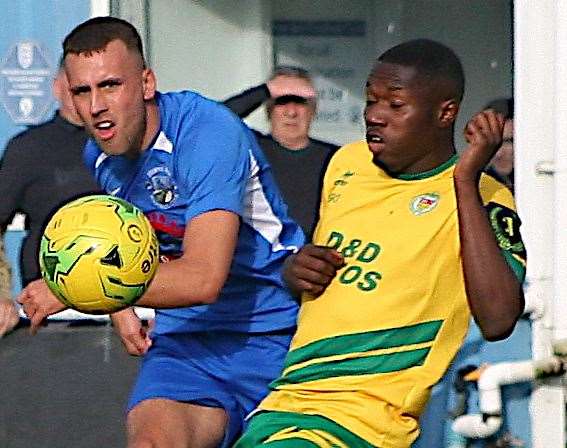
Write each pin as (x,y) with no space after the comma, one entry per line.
(179,283)
(5,273)
(494,293)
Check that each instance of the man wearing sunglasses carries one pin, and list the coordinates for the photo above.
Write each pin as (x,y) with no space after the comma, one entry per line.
(298,161)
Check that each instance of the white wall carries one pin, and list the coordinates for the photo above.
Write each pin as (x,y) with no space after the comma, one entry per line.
(220,47)
(479,32)
(214,47)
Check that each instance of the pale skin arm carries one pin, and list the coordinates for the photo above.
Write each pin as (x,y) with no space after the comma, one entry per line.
(494,293)
(196,278)
(9,317)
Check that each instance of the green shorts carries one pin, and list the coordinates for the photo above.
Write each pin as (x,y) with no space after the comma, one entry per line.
(291,430)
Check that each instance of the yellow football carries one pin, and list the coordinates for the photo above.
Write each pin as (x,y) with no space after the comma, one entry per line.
(98,254)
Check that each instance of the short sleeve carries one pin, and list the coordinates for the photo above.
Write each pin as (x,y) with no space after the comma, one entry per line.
(214,163)
(505,222)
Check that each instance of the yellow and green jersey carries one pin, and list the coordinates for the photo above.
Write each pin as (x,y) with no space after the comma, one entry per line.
(369,349)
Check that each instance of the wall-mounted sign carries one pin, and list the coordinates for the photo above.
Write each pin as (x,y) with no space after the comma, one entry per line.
(25,83)
(336,53)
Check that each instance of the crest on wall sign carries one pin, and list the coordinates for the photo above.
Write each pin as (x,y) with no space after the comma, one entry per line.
(25,52)
(26,106)
(25,83)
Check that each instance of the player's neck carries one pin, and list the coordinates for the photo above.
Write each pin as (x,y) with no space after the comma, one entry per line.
(152,124)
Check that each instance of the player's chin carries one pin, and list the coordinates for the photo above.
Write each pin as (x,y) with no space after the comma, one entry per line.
(378,160)
(110,147)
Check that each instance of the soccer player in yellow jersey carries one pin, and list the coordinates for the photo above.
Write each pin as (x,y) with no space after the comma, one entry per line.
(411,241)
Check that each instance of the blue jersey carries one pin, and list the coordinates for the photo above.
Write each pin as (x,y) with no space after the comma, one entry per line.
(202,159)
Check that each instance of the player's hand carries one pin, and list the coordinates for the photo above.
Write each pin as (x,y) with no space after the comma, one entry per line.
(288,85)
(135,336)
(312,269)
(39,302)
(9,316)
(483,134)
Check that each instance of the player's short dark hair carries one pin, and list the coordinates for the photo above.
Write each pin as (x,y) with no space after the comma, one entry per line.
(431,59)
(505,106)
(95,34)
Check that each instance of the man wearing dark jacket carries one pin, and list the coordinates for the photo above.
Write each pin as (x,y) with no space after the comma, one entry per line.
(298,161)
(41,169)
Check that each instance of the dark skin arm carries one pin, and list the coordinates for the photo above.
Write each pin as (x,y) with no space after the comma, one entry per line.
(494,293)
(312,269)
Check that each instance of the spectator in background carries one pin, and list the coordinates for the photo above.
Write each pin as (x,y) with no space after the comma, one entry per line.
(9,317)
(298,161)
(502,164)
(42,168)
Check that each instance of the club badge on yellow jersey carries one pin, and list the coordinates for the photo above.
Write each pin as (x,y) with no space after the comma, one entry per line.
(424,203)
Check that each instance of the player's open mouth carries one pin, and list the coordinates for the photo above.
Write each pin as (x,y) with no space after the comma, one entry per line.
(374,139)
(375,142)
(105,129)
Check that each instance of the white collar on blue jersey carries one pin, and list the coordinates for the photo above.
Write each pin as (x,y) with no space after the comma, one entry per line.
(163,144)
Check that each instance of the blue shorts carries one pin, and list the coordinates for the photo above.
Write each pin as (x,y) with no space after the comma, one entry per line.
(218,369)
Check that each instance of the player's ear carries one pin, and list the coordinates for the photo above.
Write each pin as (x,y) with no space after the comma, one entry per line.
(149,83)
(57,86)
(448,111)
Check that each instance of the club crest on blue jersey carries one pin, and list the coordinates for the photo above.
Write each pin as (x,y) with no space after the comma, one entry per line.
(424,203)
(162,187)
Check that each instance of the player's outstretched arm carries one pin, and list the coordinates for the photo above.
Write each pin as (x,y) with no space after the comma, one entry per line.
(38,302)
(9,316)
(133,334)
(494,293)
(197,277)
(312,269)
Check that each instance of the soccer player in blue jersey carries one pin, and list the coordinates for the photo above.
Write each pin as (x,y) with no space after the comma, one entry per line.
(224,319)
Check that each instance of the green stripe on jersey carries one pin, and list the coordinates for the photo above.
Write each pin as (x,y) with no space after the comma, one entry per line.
(365,342)
(367,365)
(294,442)
(516,266)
